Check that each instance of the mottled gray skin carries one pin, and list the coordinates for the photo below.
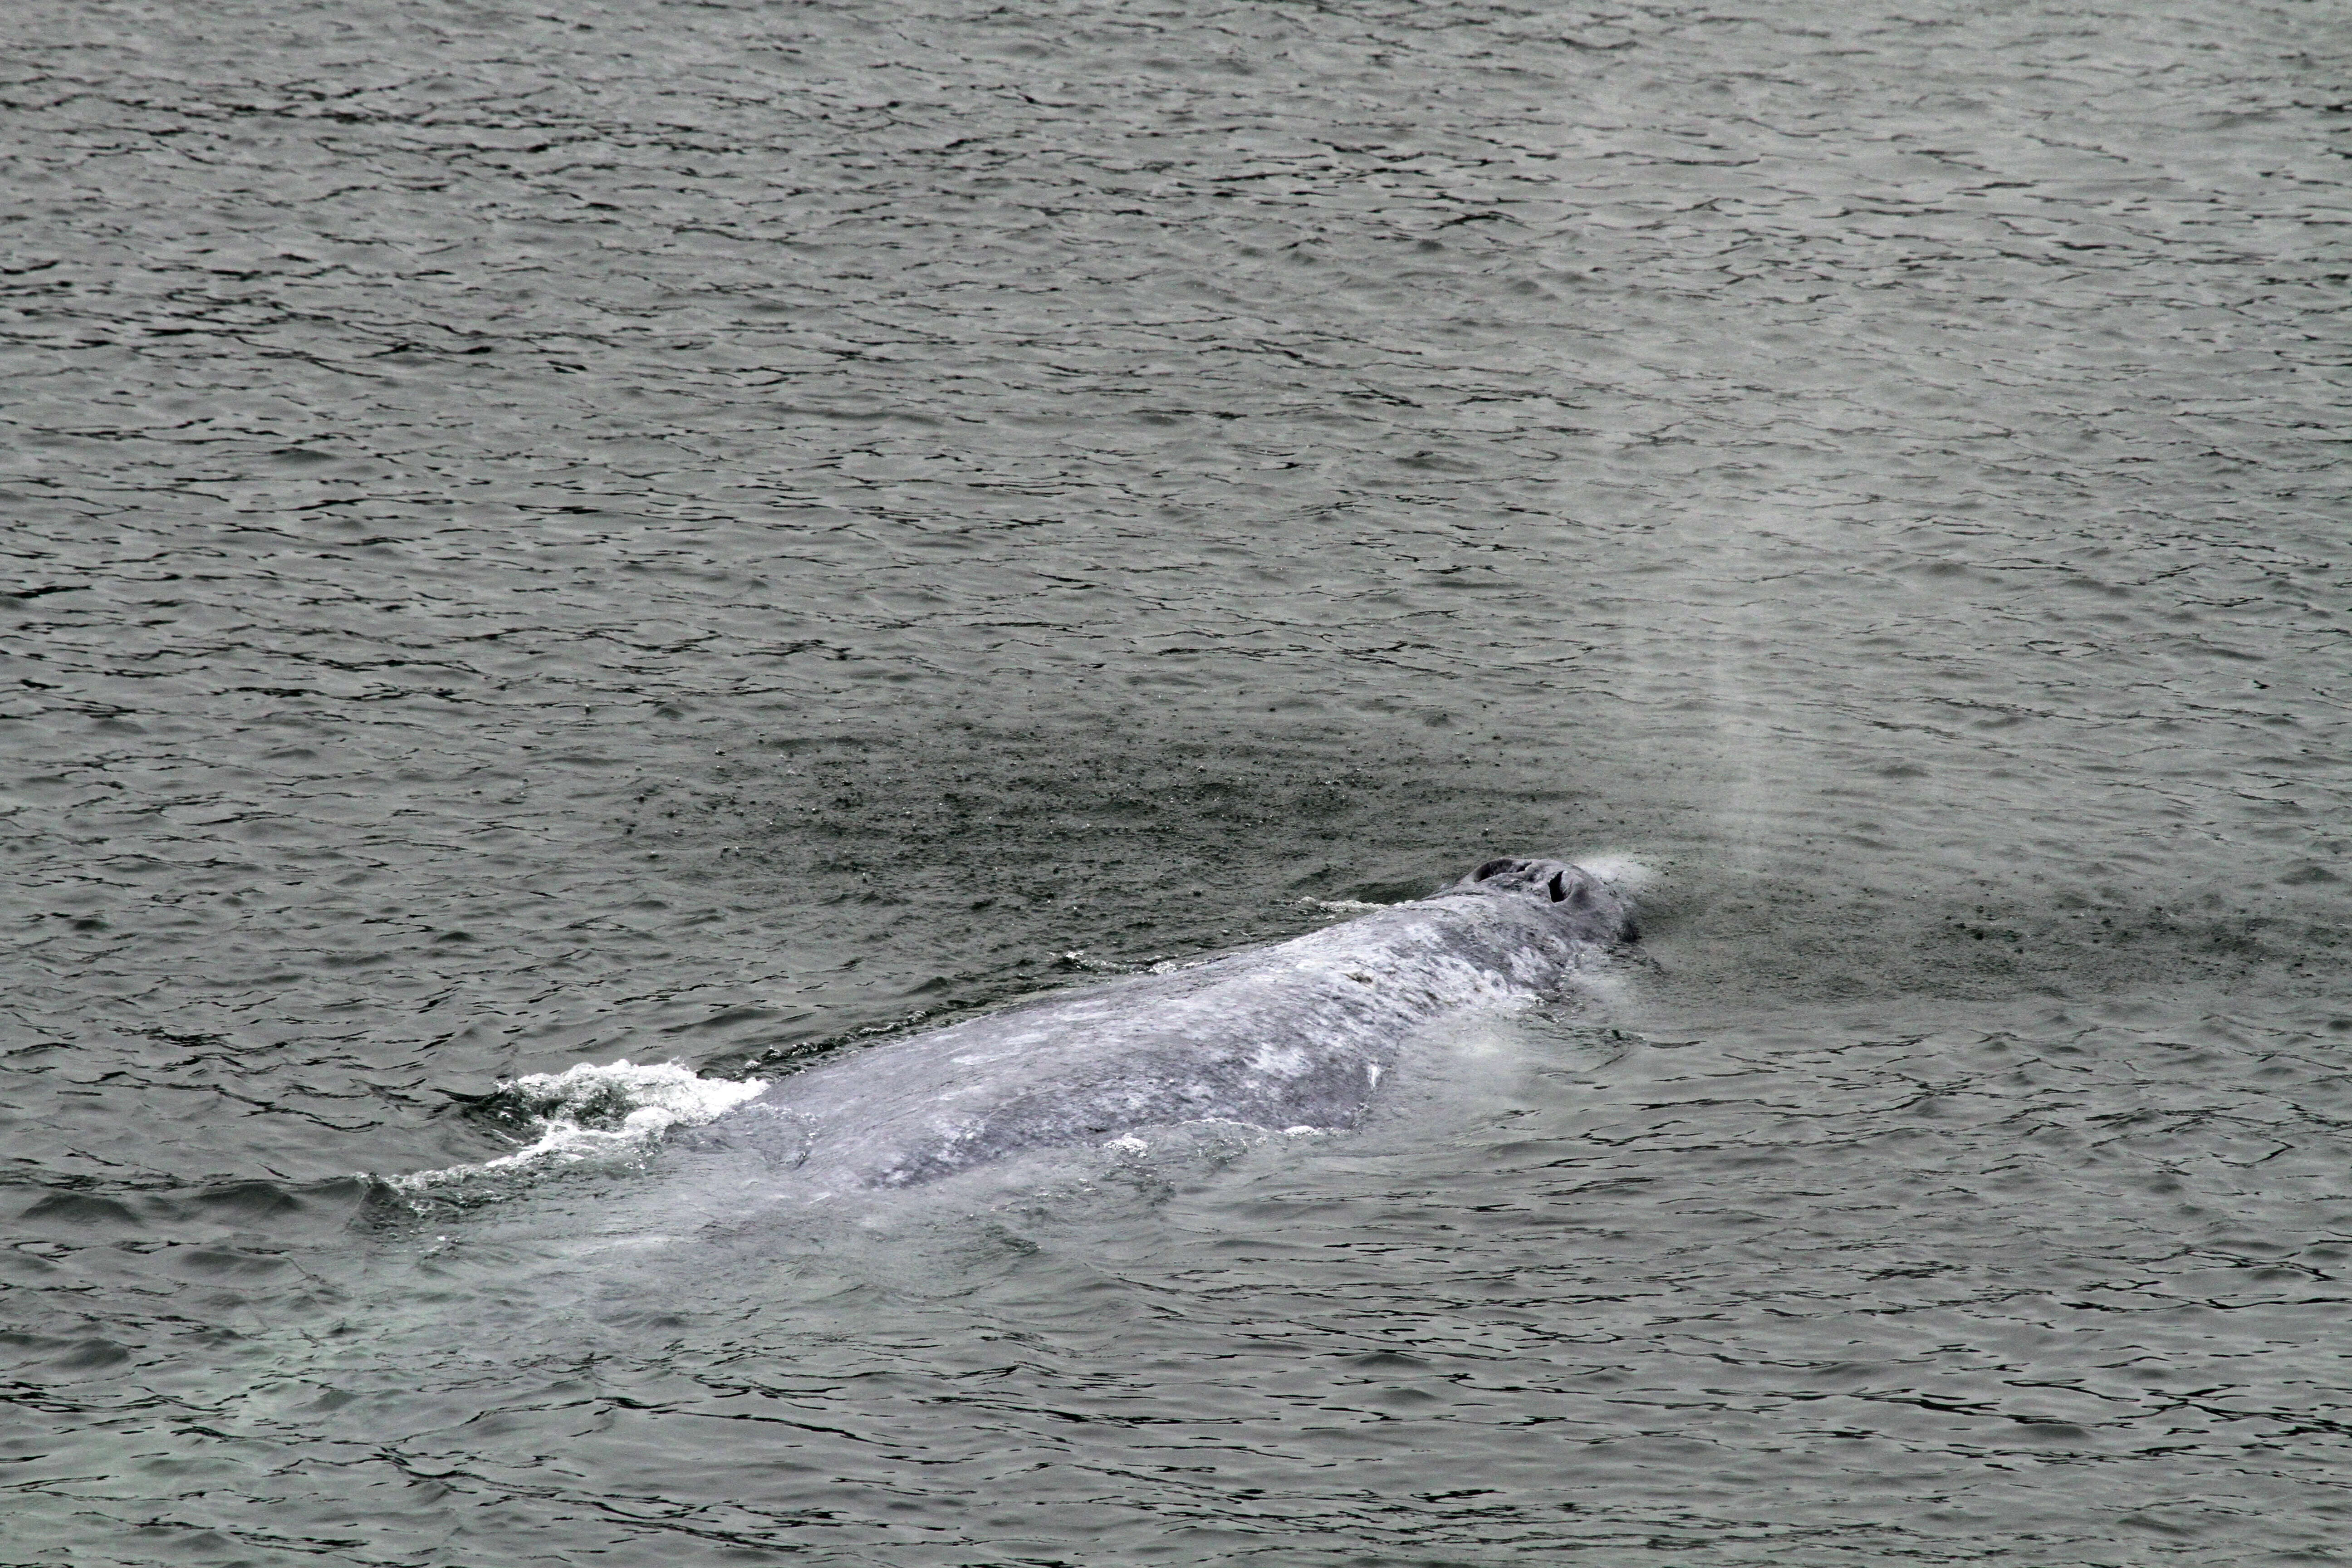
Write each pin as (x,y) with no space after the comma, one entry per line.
(1297,1035)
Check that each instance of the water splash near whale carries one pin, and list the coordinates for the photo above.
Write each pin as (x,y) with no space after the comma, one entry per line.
(589,1111)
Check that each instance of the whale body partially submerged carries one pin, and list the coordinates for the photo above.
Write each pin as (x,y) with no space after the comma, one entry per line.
(1293,1035)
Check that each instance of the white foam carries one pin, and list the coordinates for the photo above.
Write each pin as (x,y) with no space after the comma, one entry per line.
(649,1100)
(1078,958)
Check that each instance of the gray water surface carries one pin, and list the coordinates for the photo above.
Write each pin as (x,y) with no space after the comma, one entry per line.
(714,532)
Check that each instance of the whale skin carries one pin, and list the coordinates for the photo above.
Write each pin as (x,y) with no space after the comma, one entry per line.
(1291,1035)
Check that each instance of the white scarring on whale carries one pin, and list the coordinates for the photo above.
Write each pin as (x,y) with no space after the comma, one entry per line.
(1291,1037)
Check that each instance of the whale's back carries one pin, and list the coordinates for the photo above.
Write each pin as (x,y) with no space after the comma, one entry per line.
(1295,1035)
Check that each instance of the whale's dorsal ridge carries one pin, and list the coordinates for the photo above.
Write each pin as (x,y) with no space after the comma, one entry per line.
(1291,1034)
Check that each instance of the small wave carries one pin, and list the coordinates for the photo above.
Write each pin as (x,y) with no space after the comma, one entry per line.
(1079,958)
(1339,906)
(588,1110)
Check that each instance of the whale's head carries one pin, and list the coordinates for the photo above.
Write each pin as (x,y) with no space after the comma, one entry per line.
(1594,901)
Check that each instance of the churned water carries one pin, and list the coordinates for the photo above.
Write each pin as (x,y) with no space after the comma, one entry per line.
(703,534)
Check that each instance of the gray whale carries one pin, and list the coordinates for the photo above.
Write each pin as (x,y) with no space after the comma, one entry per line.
(1292,1036)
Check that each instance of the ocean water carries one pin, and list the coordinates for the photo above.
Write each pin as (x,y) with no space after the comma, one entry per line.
(697,536)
